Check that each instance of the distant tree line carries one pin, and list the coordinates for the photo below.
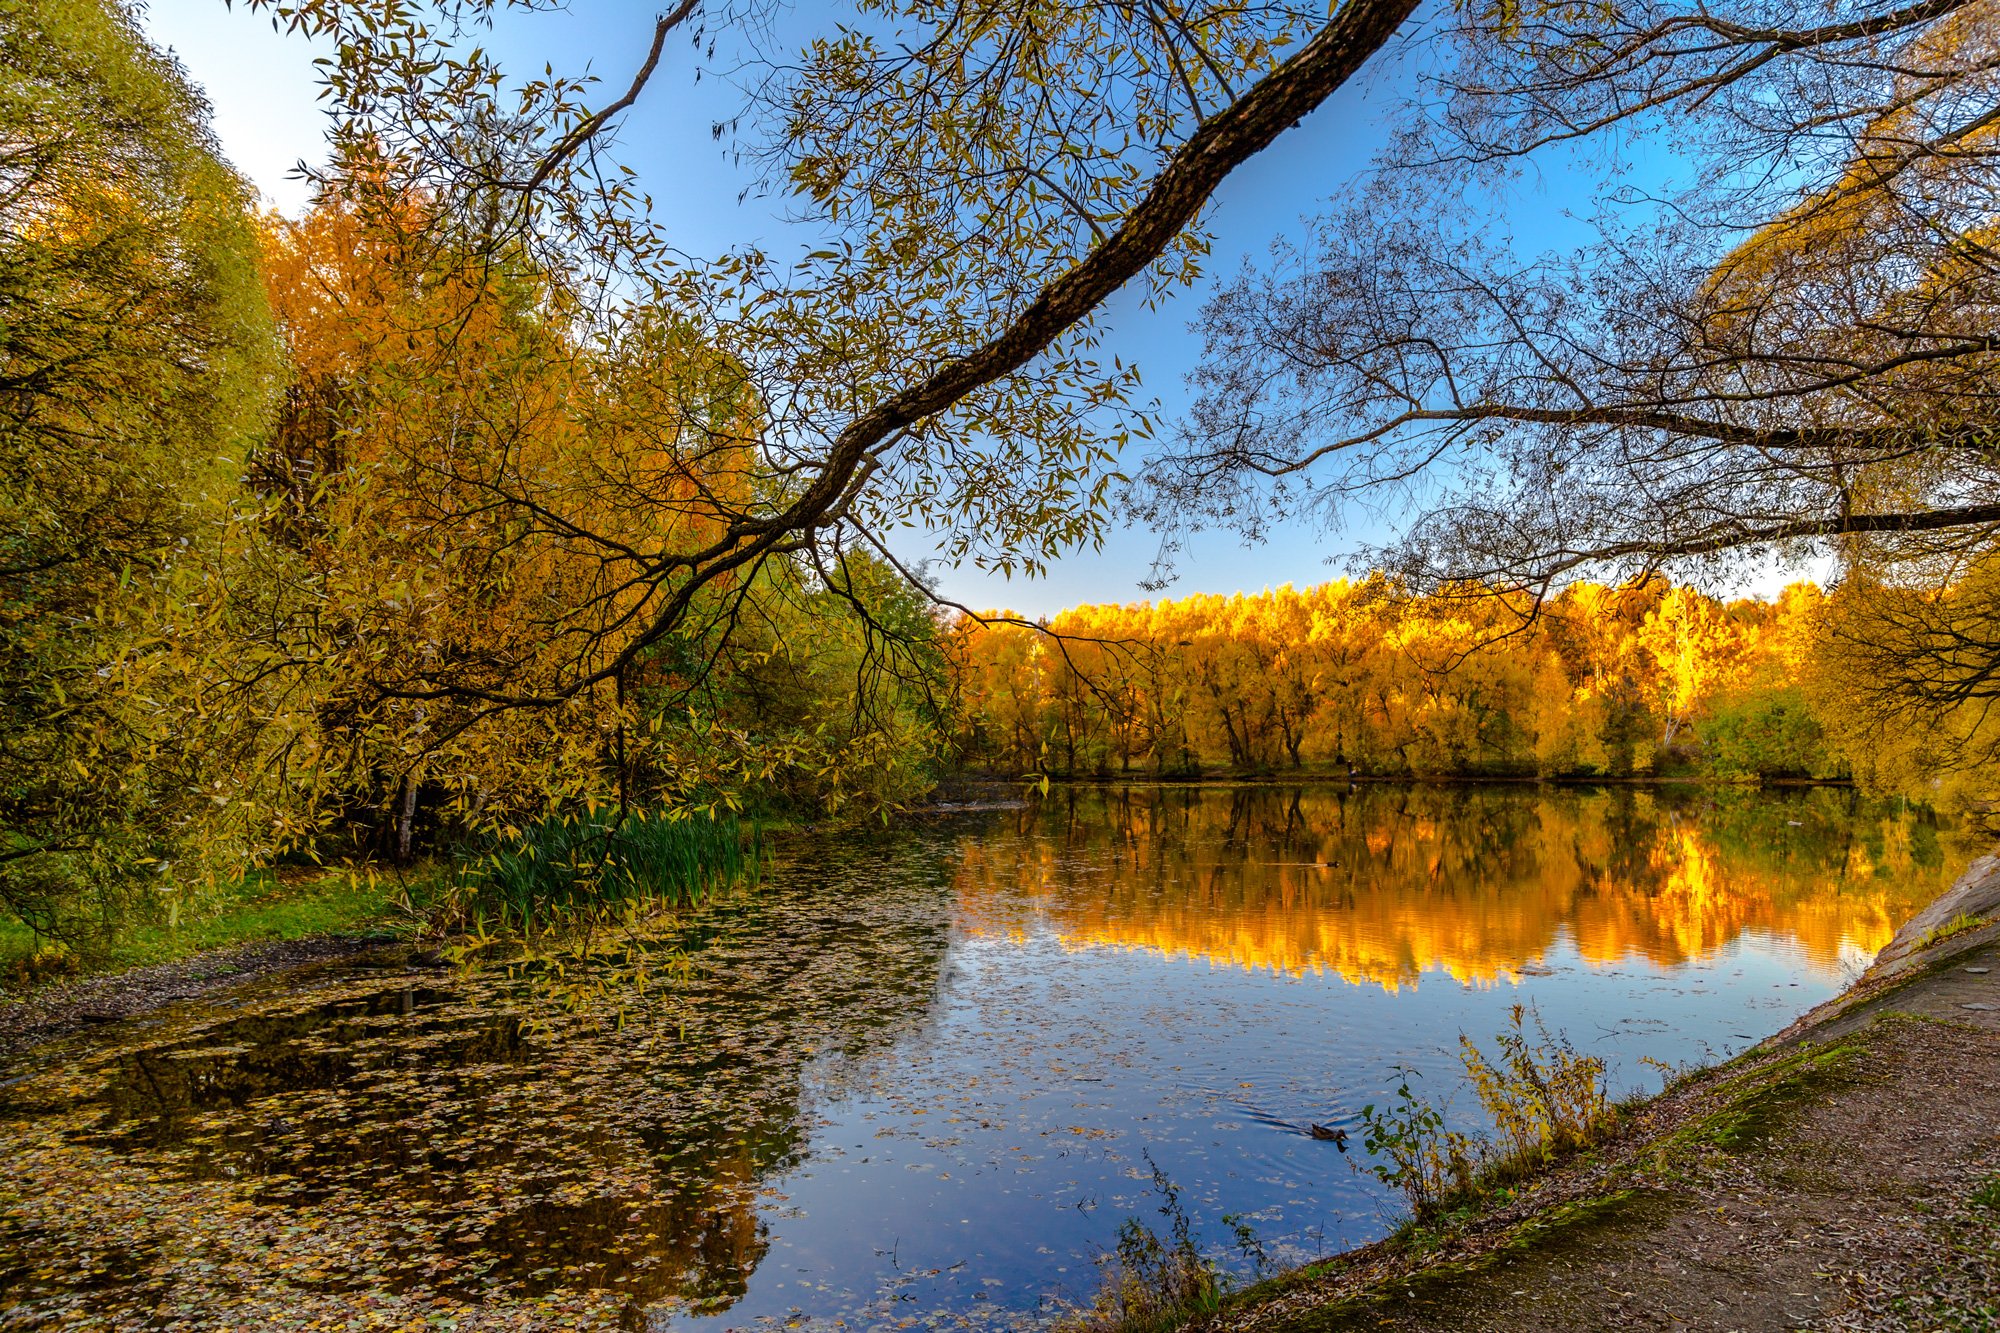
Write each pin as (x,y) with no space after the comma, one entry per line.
(1359,677)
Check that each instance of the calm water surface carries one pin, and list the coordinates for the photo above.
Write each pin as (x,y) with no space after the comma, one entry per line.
(923,1079)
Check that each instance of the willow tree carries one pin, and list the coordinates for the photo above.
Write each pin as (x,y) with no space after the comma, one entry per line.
(135,372)
(1782,337)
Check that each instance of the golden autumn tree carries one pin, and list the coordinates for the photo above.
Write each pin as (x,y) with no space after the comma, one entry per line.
(1695,651)
(471,476)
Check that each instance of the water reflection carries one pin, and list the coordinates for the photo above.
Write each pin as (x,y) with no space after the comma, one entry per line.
(922,1078)
(1381,885)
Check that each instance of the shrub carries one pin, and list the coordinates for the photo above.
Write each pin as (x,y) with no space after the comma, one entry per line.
(1543,1096)
(1415,1153)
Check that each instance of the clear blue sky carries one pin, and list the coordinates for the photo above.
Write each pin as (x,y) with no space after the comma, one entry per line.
(261,86)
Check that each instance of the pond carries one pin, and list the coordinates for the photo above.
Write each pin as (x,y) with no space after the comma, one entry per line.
(921,1079)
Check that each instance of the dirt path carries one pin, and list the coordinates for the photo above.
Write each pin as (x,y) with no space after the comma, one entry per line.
(58,1010)
(1846,1176)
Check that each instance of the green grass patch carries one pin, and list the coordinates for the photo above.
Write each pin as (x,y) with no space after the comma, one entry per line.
(1958,925)
(1761,1099)
(267,909)
(263,905)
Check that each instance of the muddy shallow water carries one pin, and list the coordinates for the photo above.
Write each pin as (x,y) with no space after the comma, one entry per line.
(922,1079)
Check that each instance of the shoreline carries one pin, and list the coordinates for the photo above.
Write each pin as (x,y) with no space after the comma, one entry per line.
(1309,778)
(61,1008)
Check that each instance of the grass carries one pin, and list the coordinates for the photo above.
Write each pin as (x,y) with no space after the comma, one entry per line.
(263,905)
(1958,925)
(553,874)
(1430,1278)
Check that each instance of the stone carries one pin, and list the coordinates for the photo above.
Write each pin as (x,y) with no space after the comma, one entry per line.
(1976,894)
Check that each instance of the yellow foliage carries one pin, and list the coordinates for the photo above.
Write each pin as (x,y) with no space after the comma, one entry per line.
(1359,677)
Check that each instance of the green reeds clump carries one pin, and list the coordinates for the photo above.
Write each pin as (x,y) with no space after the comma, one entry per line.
(581,866)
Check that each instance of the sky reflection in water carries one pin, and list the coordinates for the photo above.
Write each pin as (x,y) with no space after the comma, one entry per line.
(927,1077)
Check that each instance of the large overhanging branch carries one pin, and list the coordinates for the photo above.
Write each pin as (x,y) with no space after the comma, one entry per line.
(1222,143)
(1550,565)
(1886,439)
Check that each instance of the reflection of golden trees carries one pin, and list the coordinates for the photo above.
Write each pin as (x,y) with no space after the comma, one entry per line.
(1698,903)
(1383,886)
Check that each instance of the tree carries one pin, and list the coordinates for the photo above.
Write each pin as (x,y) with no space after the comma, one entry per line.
(989,174)
(466,469)
(990,183)
(1925,655)
(1363,676)
(1805,356)
(136,369)
(1694,649)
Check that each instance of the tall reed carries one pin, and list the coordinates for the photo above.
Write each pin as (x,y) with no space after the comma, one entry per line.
(573,866)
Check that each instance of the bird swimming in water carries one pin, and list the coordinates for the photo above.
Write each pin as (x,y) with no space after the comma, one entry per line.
(1338,1136)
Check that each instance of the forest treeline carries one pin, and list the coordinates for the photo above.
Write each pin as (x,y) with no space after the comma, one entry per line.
(1359,677)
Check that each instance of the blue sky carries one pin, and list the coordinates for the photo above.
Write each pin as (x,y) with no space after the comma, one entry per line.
(261,86)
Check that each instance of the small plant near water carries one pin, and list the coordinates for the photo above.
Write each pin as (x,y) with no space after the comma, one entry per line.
(1958,925)
(1415,1154)
(1152,1281)
(1544,1099)
(1543,1096)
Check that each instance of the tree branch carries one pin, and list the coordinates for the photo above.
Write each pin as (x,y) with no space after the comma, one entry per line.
(567,146)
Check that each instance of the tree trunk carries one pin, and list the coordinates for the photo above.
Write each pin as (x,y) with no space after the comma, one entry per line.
(406,819)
